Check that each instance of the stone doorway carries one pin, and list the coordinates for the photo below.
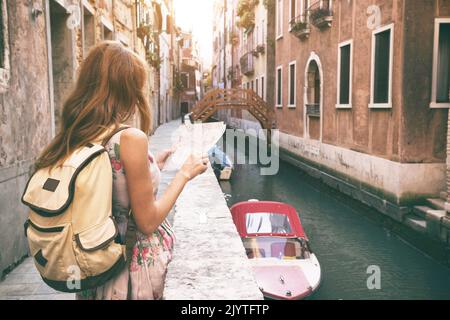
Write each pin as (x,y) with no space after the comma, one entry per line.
(313,99)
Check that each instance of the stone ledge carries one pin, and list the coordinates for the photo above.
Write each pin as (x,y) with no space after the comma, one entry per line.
(209,258)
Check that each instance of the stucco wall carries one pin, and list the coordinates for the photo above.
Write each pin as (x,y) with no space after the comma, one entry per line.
(408,132)
(424,129)
(24,105)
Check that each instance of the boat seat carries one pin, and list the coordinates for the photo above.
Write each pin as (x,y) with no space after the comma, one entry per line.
(260,253)
(283,249)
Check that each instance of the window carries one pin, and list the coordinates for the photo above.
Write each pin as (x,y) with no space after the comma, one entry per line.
(185,80)
(382,60)
(257,36)
(263,33)
(441,65)
(279,87)
(292,85)
(267,223)
(344,81)
(257,86)
(4,48)
(304,5)
(279,248)
(263,93)
(108,28)
(279,18)
(292,11)
(88,30)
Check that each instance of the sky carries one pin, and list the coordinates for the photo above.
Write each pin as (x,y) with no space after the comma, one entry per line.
(197,16)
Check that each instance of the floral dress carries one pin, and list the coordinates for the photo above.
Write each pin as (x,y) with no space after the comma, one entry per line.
(143,278)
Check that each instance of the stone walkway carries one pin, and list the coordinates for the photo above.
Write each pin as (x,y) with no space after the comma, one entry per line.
(209,260)
(25,283)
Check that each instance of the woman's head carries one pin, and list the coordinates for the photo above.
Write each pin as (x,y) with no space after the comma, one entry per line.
(109,91)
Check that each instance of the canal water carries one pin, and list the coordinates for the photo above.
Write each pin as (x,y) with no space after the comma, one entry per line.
(347,238)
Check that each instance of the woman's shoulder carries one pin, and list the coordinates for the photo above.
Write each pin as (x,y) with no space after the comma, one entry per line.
(133,143)
(133,135)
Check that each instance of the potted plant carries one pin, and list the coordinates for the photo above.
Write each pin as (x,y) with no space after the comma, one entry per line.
(154,60)
(300,29)
(322,17)
(261,48)
(234,38)
(246,14)
(247,21)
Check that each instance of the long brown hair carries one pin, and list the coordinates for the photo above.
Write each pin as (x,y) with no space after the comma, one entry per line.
(108,92)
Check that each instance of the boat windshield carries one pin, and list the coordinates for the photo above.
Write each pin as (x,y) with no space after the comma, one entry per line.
(280,248)
(267,223)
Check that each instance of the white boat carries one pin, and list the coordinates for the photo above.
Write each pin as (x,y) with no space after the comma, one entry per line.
(221,163)
(282,261)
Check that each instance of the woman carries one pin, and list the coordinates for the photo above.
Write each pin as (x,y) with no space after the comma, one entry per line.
(108,93)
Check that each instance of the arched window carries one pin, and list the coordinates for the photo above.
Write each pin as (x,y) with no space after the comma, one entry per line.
(313,87)
(313,98)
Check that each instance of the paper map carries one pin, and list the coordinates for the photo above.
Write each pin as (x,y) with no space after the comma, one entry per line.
(196,139)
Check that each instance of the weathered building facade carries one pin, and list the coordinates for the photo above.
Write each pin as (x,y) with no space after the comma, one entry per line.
(248,42)
(361,95)
(218,73)
(42,44)
(190,73)
(354,92)
(24,103)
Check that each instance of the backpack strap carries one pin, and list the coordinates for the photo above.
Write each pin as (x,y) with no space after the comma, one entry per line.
(112,134)
(130,236)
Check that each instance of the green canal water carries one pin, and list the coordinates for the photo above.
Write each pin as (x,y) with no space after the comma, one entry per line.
(347,238)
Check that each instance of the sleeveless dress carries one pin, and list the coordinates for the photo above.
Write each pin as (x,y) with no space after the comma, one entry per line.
(148,256)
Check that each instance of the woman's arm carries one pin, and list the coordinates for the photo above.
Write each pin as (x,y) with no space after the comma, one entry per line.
(147,212)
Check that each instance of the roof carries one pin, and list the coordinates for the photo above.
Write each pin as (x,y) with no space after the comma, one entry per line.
(240,211)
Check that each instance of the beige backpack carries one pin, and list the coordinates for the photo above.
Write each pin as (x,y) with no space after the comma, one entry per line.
(71,233)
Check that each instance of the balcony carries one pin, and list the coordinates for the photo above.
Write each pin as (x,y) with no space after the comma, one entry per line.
(247,64)
(259,50)
(301,27)
(313,110)
(190,62)
(321,14)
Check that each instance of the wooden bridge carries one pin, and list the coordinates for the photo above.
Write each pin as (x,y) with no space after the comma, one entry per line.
(234,99)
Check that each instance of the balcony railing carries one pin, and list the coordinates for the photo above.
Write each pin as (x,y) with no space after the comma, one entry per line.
(313,109)
(321,13)
(300,26)
(247,64)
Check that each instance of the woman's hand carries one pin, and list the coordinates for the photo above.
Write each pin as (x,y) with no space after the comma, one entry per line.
(162,157)
(194,166)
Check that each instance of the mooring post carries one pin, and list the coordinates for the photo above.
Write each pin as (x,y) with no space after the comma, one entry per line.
(269,141)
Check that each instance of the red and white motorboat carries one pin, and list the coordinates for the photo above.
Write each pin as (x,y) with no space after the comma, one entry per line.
(284,266)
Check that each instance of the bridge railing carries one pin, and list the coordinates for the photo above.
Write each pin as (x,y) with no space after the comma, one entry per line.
(240,99)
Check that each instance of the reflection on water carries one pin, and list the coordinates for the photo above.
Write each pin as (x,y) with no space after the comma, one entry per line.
(346,240)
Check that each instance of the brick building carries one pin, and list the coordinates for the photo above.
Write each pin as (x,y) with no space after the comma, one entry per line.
(190,74)
(42,43)
(361,95)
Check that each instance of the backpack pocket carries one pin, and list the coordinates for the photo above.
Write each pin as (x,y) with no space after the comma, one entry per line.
(44,243)
(96,249)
